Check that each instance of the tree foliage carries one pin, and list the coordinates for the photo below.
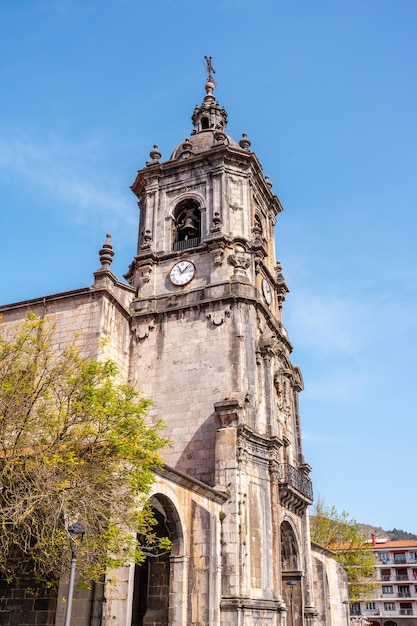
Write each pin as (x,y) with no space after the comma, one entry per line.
(340,533)
(74,447)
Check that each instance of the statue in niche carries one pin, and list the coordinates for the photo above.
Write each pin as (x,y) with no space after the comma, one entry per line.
(283,389)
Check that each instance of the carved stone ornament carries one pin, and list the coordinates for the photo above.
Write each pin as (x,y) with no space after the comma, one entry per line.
(155,155)
(260,320)
(106,253)
(218,316)
(144,272)
(217,224)
(258,262)
(240,261)
(217,255)
(283,387)
(147,240)
(143,329)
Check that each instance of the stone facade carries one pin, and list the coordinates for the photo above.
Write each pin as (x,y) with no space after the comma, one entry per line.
(330,588)
(198,329)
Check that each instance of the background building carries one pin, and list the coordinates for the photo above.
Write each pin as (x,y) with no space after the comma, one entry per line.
(395,600)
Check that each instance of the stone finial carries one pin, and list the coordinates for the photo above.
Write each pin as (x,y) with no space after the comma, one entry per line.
(209,115)
(106,253)
(244,142)
(268,182)
(210,83)
(155,155)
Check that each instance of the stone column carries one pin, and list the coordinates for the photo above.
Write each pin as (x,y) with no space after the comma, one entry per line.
(310,612)
(178,590)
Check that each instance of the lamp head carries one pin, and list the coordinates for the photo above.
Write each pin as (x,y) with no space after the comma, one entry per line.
(76,531)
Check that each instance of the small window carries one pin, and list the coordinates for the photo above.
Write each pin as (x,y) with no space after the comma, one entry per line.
(383,556)
(205,124)
(389,606)
(387,589)
(370,606)
(355,608)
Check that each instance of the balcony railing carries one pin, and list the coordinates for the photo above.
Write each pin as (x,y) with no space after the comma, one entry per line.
(186,243)
(406,611)
(385,577)
(404,594)
(296,479)
(401,577)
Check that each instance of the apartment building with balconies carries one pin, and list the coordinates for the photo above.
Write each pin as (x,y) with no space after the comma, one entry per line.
(395,599)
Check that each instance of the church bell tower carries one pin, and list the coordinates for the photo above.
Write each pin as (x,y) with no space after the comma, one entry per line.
(210,349)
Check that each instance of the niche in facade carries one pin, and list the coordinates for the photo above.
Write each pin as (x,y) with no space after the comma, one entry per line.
(289,552)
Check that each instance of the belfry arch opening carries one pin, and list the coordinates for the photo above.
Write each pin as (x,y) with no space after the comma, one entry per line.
(187,224)
(153,593)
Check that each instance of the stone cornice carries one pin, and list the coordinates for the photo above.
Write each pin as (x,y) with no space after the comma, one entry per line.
(190,483)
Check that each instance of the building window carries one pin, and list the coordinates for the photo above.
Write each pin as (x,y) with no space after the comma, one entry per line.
(413,557)
(383,556)
(401,574)
(385,574)
(370,606)
(387,589)
(355,608)
(389,606)
(399,558)
(406,608)
(404,591)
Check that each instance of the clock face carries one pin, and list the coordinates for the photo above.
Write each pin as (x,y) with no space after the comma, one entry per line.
(182,272)
(266,290)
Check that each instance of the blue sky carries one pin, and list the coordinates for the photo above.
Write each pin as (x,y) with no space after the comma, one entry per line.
(326,91)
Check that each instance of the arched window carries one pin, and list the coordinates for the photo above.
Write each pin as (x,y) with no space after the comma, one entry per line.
(187,225)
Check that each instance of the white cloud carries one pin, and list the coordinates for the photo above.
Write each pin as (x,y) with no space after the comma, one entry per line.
(74,174)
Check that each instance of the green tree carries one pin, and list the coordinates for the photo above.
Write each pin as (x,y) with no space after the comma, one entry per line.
(340,533)
(74,446)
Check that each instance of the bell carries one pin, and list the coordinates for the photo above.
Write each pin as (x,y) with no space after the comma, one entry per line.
(188,226)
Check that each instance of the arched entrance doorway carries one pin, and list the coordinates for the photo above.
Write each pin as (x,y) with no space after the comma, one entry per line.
(154,596)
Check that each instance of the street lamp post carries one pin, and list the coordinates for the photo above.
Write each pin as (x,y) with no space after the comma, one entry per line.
(292,584)
(346,603)
(76,533)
